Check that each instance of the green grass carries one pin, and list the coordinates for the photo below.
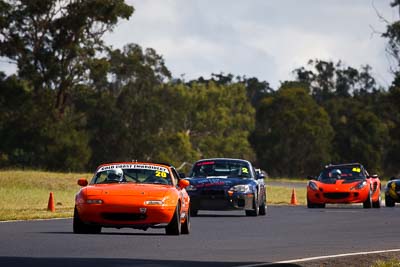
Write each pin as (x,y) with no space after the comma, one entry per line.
(280,195)
(25,194)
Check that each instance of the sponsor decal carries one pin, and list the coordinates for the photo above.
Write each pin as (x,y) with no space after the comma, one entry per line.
(209,184)
(212,182)
(356,170)
(162,171)
(205,163)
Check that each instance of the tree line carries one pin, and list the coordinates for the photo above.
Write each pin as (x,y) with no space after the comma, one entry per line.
(75,102)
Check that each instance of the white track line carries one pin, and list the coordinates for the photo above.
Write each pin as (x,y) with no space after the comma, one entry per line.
(32,220)
(323,257)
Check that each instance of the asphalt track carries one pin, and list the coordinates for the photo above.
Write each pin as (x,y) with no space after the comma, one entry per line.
(217,239)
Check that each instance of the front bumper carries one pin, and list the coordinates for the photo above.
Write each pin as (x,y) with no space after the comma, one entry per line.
(118,216)
(333,196)
(221,200)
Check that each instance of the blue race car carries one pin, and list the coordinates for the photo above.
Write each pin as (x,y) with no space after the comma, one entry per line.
(226,184)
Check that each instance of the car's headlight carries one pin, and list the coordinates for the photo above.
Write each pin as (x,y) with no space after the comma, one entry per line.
(360,185)
(154,202)
(242,188)
(313,186)
(191,188)
(94,201)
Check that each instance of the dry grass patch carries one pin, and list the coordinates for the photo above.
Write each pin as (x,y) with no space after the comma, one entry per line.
(282,195)
(25,194)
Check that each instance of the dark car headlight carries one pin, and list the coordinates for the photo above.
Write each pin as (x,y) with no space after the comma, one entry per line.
(191,188)
(313,186)
(241,188)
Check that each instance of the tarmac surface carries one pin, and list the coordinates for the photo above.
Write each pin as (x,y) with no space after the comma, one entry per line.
(217,239)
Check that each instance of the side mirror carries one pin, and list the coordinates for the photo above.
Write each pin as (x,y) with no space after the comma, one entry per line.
(183,183)
(182,175)
(82,182)
(260,176)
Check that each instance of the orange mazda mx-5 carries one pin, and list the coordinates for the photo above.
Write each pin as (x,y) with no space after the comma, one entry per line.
(344,183)
(138,195)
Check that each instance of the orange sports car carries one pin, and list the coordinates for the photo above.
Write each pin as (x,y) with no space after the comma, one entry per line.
(344,183)
(138,195)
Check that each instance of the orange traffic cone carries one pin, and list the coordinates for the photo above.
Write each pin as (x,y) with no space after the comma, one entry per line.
(50,205)
(293,200)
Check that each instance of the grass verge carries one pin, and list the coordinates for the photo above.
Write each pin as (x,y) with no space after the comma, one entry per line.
(25,194)
(280,195)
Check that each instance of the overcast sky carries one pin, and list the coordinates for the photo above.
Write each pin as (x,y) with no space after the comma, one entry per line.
(267,39)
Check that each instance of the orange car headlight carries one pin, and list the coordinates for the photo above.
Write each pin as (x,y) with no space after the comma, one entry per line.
(359,186)
(154,202)
(313,186)
(94,201)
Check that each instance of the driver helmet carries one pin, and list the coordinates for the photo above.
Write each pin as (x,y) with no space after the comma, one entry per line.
(336,174)
(115,174)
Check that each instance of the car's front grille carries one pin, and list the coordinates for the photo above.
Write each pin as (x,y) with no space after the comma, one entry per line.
(338,195)
(213,192)
(123,216)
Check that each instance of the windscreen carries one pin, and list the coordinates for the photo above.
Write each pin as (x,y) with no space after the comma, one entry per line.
(221,168)
(343,173)
(132,173)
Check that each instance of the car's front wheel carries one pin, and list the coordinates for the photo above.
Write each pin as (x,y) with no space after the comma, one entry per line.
(312,205)
(367,204)
(79,227)
(377,204)
(174,227)
(389,202)
(263,207)
(186,225)
(193,212)
(256,208)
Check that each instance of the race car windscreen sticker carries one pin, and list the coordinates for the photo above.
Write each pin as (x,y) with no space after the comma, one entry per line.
(205,163)
(356,170)
(161,174)
(161,171)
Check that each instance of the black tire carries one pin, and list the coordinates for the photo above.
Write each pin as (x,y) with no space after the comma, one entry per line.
(263,208)
(174,227)
(193,212)
(94,229)
(256,208)
(80,227)
(377,204)
(312,205)
(185,229)
(389,202)
(77,225)
(367,204)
